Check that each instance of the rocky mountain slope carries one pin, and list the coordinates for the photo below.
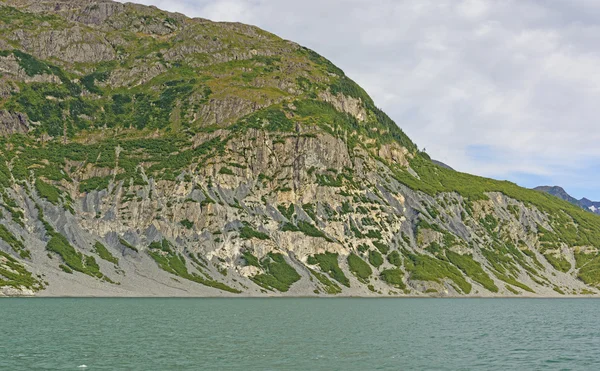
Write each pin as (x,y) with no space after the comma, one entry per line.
(147,153)
(563,195)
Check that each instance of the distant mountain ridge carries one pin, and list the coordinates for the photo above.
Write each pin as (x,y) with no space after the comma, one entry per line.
(440,163)
(559,192)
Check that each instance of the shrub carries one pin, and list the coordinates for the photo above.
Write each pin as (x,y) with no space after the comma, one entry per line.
(426,268)
(310,230)
(330,287)
(250,259)
(328,262)
(278,273)
(359,267)
(383,248)
(47,191)
(472,269)
(187,223)
(93,184)
(104,254)
(169,261)
(128,245)
(247,232)
(14,242)
(394,258)
(375,258)
(558,262)
(393,277)
(226,171)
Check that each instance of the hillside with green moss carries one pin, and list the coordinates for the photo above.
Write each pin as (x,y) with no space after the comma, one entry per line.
(147,153)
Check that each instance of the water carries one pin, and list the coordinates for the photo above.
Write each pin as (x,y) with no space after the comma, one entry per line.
(299,334)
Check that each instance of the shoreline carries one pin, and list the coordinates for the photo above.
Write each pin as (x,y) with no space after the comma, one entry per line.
(292,297)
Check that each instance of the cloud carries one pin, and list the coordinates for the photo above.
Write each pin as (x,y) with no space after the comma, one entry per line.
(517,78)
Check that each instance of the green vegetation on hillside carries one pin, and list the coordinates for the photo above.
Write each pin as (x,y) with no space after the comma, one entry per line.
(375,258)
(155,102)
(103,253)
(472,269)
(574,226)
(14,274)
(174,263)
(72,258)
(247,232)
(278,274)
(328,262)
(13,242)
(394,277)
(359,268)
(330,286)
(426,268)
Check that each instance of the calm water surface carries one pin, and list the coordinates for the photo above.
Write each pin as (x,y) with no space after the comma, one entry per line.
(299,334)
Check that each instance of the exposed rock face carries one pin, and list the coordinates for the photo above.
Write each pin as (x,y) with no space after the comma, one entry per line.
(346,104)
(145,153)
(12,123)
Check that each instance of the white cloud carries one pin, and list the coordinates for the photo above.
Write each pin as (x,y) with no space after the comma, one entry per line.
(519,77)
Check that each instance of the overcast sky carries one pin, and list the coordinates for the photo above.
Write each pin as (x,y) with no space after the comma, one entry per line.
(504,89)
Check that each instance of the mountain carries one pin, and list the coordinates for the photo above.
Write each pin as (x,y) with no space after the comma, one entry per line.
(562,194)
(147,153)
(440,163)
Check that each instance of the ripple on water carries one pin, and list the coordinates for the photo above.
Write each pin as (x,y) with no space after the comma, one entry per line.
(298,334)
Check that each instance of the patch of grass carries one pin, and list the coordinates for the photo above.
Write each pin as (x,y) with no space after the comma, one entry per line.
(187,223)
(31,65)
(310,230)
(14,209)
(278,274)
(309,209)
(13,242)
(72,258)
(104,254)
(94,184)
(509,288)
(375,258)
(328,262)
(426,268)
(169,261)
(513,281)
(330,287)
(395,259)
(47,191)
(383,248)
(247,233)
(226,171)
(589,268)
(558,262)
(250,259)
(393,277)
(128,245)
(359,268)
(288,212)
(472,269)
(14,274)
(271,119)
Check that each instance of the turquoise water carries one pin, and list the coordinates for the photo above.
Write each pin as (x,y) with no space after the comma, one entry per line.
(299,334)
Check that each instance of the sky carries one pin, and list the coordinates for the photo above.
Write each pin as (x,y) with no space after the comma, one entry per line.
(504,89)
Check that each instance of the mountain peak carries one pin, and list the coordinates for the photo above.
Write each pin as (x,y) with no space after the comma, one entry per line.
(562,194)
